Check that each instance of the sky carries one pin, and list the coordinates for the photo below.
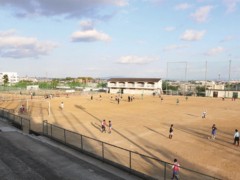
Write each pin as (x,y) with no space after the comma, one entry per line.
(168,39)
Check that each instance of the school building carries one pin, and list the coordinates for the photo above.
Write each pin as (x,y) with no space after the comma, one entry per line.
(135,85)
(222,93)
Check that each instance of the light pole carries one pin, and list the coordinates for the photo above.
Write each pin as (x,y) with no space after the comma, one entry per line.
(205,77)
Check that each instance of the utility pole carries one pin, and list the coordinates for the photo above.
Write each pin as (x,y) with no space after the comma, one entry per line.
(205,77)
(229,76)
(167,78)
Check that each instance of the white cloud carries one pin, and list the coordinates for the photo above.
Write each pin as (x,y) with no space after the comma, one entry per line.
(169,28)
(215,51)
(183,6)
(192,35)
(89,36)
(201,14)
(12,45)
(87,24)
(174,47)
(8,32)
(228,38)
(136,59)
(67,8)
(231,5)
(155,1)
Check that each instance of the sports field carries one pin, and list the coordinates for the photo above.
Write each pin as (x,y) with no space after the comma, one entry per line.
(143,126)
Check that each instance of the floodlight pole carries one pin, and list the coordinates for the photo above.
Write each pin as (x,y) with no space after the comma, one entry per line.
(167,78)
(205,77)
(229,74)
(186,72)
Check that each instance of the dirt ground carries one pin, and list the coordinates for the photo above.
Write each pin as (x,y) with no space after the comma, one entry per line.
(143,126)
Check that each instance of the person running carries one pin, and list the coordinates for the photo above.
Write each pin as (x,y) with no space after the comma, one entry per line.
(171,131)
(22,109)
(61,105)
(104,126)
(214,131)
(236,137)
(177,101)
(110,127)
(204,115)
(176,169)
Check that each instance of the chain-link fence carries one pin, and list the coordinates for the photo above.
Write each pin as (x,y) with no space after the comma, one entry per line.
(17,121)
(144,166)
(141,165)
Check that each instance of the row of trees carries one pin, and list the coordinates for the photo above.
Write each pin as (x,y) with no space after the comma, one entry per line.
(68,81)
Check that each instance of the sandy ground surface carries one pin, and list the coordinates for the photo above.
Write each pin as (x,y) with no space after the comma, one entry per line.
(143,126)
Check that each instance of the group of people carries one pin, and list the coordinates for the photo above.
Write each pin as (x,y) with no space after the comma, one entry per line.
(130,98)
(213,134)
(176,166)
(104,126)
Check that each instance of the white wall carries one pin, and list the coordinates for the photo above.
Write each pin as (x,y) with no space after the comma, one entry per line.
(221,94)
(135,88)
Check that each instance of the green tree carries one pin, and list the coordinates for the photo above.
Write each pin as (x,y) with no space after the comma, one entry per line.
(54,83)
(5,79)
(200,90)
(167,86)
(102,85)
(164,85)
(23,84)
(43,85)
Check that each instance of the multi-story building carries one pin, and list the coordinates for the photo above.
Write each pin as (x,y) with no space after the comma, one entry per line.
(135,85)
(26,78)
(12,77)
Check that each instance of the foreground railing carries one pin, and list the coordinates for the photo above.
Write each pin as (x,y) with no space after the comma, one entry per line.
(141,165)
(21,123)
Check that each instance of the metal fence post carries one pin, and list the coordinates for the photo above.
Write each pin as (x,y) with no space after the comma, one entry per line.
(165,171)
(51,130)
(21,122)
(102,151)
(81,142)
(29,124)
(64,136)
(130,160)
(43,129)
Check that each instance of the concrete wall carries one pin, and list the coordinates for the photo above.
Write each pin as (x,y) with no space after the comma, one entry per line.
(221,94)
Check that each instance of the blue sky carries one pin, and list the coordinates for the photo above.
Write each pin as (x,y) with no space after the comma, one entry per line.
(121,38)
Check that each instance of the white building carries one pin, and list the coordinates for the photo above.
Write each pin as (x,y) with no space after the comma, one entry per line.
(135,85)
(12,77)
(26,78)
(218,90)
(222,93)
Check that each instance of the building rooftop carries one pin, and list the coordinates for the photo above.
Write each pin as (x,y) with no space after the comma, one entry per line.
(134,80)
